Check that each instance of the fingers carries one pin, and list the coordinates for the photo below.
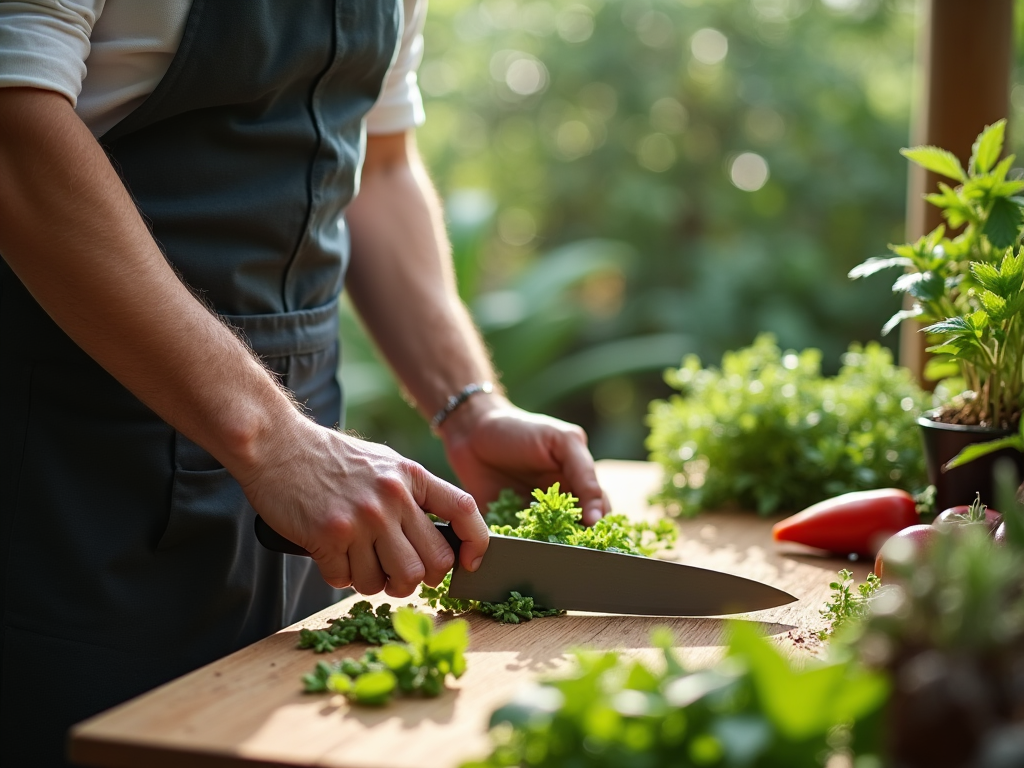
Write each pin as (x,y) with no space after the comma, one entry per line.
(578,468)
(435,554)
(401,563)
(368,577)
(457,507)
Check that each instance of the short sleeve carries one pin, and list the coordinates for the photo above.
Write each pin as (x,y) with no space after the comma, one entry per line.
(400,106)
(44,43)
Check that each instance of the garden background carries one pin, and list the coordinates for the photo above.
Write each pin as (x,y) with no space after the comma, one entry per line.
(629,181)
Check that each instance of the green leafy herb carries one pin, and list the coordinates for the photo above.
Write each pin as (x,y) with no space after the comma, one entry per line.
(768,432)
(753,709)
(361,623)
(847,604)
(503,510)
(417,666)
(554,517)
(967,290)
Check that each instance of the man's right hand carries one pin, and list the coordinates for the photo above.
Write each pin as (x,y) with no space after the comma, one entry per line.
(72,234)
(359,508)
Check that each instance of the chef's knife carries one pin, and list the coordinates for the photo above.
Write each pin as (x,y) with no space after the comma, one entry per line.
(580,579)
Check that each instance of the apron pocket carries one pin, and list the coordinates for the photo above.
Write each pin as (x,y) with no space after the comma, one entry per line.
(208,512)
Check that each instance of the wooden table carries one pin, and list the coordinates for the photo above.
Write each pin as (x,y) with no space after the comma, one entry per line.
(248,709)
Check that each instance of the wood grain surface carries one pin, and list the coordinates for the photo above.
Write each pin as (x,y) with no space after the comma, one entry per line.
(248,709)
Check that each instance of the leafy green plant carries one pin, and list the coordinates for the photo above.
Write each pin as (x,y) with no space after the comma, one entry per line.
(768,432)
(968,288)
(553,517)
(361,624)
(754,709)
(847,604)
(503,510)
(417,666)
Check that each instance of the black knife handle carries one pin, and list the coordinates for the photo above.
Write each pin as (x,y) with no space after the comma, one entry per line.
(275,542)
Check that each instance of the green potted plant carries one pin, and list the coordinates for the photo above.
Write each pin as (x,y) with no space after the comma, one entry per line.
(967,290)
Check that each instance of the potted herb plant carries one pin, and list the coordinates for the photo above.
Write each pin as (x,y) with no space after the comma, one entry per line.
(968,290)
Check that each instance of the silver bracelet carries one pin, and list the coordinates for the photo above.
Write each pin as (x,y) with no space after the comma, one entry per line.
(456,400)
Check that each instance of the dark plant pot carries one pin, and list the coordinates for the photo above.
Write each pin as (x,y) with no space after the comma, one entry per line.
(958,486)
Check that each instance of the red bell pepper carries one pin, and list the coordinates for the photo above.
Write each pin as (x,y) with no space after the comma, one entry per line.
(854,523)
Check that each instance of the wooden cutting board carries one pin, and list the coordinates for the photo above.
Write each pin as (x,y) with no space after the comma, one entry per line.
(248,708)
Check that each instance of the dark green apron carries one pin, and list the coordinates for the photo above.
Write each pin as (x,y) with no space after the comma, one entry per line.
(127,552)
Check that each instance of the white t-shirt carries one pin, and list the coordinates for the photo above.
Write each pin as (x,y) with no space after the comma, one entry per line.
(107,56)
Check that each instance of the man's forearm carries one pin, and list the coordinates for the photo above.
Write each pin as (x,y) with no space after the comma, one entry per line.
(401,278)
(72,234)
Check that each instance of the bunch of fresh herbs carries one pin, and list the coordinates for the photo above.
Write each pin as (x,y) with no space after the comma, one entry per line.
(768,432)
(361,624)
(553,517)
(754,709)
(417,666)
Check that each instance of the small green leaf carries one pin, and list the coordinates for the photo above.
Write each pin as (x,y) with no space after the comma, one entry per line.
(1004,223)
(899,317)
(374,688)
(877,264)
(977,450)
(453,637)
(412,626)
(937,160)
(987,147)
(395,656)
(339,683)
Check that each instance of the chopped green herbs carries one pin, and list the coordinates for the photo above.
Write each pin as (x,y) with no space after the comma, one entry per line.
(360,624)
(553,517)
(418,666)
(503,510)
(847,604)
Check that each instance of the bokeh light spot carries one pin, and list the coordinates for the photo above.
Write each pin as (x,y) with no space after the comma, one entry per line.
(574,139)
(656,153)
(749,171)
(575,24)
(709,46)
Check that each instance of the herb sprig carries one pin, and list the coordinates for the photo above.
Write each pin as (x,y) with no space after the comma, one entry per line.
(848,604)
(417,666)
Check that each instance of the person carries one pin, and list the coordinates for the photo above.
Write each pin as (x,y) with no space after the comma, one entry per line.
(182,184)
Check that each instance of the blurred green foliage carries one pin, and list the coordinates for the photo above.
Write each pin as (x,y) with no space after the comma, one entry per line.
(768,432)
(628,181)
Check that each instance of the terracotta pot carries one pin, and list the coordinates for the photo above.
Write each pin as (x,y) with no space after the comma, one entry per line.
(958,486)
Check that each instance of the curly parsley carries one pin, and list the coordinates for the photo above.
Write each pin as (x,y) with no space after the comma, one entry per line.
(553,517)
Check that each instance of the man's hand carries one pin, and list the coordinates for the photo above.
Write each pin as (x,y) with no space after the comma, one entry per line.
(360,510)
(491,445)
(72,234)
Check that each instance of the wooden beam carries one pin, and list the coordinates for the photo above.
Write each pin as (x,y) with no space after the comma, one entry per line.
(965,55)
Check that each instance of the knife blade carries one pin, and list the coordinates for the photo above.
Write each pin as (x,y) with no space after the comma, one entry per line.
(581,579)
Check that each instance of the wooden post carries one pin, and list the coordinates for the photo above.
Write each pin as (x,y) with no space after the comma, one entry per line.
(965,54)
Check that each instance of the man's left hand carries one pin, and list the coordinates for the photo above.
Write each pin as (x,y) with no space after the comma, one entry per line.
(491,444)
